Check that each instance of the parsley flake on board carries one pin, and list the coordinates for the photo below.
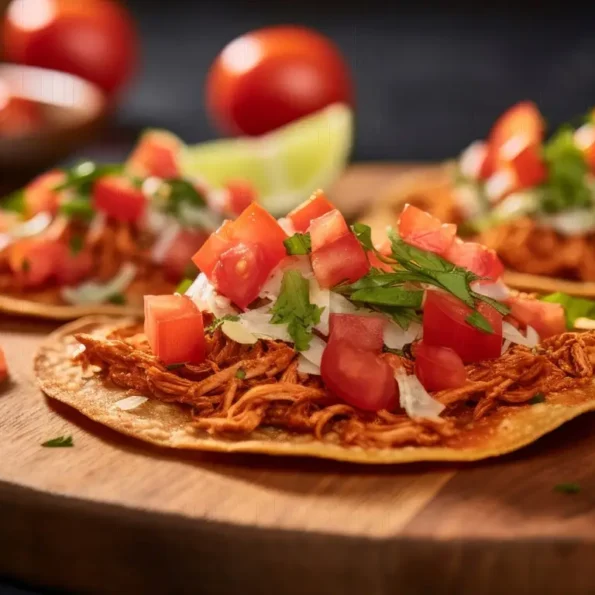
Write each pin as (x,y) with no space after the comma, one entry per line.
(388,293)
(219,321)
(298,244)
(293,308)
(60,442)
(568,488)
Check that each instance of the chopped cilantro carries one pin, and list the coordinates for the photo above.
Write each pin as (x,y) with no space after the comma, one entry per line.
(537,398)
(574,307)
(241,374)
(568,488)
(79,207)
(118,299)
(25,265)
(82,176)
(298,243)
(60,442)
(480,322)
(364,234)
(293,308)
(219,321)
(76,244)
(175,191)
(175,366)
(183,287)
(566,186)
(14,202)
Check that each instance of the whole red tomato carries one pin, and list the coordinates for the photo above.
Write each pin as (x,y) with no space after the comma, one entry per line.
(269,77)
(94,39)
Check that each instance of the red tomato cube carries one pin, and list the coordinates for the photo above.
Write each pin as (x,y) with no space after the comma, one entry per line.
(360,331)
(439,368)
(316,206)
(118,198)
(34,261)
(422,230)
(155,155)
(40,195)
(218,242)
(327,228)
(240,195)
(341,260)
(546,318)
(174,328)
(476,258)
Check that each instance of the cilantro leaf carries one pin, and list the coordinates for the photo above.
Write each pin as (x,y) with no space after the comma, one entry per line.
(60,442)
(364,234)
(211,328)
(118,299)
(293,308)
(176,191)
(479,322)
(298,243)
(76,244)
(566,186)
(79,207)
(389,296)
(14,202)
(574,307)
(183,287)
(568,488)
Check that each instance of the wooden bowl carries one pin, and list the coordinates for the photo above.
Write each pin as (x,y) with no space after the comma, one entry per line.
(73,111)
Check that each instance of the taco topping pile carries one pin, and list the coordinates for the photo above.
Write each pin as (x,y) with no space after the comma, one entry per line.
(305,325)
(110,233)
(532,199)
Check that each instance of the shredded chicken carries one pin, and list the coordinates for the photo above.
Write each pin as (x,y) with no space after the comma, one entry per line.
(239,388)
(525,246)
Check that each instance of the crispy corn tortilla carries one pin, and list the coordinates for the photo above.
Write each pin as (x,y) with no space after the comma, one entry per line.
(169,425)
(428,188)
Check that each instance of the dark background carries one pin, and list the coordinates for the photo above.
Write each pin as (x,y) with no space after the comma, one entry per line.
(429,79)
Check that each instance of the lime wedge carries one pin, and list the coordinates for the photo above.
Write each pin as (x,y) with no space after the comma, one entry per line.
(286,165)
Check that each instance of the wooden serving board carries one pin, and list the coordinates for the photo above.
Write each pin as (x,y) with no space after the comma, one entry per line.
(113,515)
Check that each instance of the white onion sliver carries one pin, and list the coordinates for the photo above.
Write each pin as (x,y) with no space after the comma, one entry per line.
(513,335)
(307,367)
(396,338)
(496,290)
(130,403)
(32,227)
(314,353)
(322,298)
(199,217)
(237,332)
(505,346)
(92,292)
(206,298)
(341,305)
(164,242)
(532,335)
(414,398)
(286,225)
(258,323)
(272,288)
(472,158)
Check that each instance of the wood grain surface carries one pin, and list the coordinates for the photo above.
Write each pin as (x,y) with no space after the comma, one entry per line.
(113,515)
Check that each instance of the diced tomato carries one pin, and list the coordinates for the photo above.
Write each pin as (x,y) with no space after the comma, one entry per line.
(34,261)
(71,268)
(8,220)
(476,258)
(240,273)
(525,161)
(326,229)
(359,377)
(341,260)
(155,155)
(207,256)
(118,198)
(438,368)
(361,332)
(316,206)
(585,141)
(174,328)
(184,246)
(40,195)
(444,325)
(240,194)
(256,225)
(546,318)
(420,229)
(3,366)
(522,119)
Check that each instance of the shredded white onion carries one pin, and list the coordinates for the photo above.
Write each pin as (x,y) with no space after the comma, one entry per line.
(396,338)
(307,367)
(499,184)
(512,334)
(259,324)
(237,332)
(322,298)
(32,227)
(92,292)
(496,290)
(199,217)
(272,287)
(217,198)
(341,305)
(314,353)
(206,298)
(164,242)
(505,346)
(516,205)
(472,158)
(130,403)
(151,186)
(415,399)
(286,225)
